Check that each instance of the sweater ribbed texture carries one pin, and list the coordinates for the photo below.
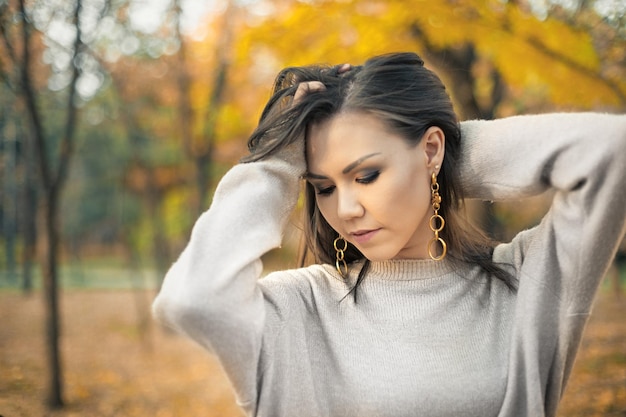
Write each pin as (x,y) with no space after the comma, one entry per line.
(424,338)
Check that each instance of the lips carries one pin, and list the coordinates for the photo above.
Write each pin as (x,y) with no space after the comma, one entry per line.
(363,236)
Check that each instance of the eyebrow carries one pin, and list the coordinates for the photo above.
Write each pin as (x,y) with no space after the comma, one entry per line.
(358,162)
(346,170)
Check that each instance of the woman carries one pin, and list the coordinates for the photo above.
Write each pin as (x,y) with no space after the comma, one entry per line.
(406,310)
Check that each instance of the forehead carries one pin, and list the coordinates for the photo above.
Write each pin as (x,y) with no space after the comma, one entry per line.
(348,136)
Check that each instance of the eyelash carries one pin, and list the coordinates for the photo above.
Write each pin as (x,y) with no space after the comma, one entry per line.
(367,179)
(325,191)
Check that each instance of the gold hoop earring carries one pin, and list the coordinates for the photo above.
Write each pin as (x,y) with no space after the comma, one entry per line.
(340,262)
(436,222)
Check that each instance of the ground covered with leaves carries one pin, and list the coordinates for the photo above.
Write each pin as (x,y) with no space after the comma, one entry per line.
(117,362)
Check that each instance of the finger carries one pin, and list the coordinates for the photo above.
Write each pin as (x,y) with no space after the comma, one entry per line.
(344,68)
(306,88)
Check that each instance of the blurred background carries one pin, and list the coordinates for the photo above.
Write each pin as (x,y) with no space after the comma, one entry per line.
(118,117)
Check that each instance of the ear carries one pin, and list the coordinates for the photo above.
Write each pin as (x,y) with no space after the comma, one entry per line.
(434,146)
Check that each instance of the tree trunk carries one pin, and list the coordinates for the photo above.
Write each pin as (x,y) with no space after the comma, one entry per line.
(160,248)
(203,164)
(53,177)
(50,280)
(9,205)
(201,149)
(29,215)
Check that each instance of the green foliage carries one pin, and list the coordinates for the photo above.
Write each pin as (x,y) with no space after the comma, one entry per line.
(97,207)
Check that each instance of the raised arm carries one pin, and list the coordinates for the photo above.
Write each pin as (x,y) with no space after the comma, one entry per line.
(211,292)
(525,155)
(581,157)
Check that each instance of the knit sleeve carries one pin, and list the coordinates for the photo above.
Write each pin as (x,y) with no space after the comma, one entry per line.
(211,292)
(581,159)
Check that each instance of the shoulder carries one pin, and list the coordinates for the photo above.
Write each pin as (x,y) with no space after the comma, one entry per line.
(319,280)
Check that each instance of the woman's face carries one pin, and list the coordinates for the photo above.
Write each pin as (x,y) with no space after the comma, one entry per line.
(372,186)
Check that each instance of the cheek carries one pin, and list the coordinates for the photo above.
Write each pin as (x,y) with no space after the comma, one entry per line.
(328,210)
(404,197)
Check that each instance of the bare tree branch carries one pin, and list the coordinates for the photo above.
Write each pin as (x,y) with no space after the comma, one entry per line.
(68,140)
(31,102)
(4,31)
(6,78)
(537,44)
(184,84)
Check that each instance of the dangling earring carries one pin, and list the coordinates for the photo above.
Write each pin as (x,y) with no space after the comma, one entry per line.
(436,222)
(340,262)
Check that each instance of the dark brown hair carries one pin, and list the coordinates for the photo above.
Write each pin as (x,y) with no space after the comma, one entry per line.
(409,98)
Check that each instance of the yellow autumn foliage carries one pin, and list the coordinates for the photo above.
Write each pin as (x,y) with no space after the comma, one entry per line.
(545,65)
(546,57)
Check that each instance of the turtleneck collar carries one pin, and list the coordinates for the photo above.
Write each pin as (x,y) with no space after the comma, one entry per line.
(410,269)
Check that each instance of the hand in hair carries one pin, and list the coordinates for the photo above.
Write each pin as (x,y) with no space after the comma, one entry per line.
(310,86)
(306,88)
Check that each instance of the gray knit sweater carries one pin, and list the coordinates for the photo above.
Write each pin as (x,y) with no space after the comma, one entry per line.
(426,338)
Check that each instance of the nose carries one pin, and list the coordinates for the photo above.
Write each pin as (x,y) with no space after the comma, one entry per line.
(348,205)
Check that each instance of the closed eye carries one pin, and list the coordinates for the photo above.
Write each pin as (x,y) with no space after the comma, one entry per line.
(325,190)
(369,178)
